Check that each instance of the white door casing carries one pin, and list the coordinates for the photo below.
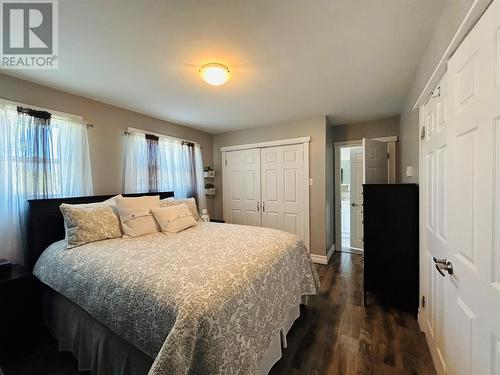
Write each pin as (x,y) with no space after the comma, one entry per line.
(467,177)
(376,170)
(242,187)
(356,192)
(282,171)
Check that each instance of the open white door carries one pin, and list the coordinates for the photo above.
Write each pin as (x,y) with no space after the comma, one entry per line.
(375,164)
(356,195)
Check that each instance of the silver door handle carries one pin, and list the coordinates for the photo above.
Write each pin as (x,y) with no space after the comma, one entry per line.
(258,206)
(263,206)
(443,265)
(440,260)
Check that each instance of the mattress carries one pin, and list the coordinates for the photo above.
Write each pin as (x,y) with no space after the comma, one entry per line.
(207,300)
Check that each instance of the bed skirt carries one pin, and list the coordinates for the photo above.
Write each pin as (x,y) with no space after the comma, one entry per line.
(102,352)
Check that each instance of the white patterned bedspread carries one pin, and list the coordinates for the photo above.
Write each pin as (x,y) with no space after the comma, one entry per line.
(207,300)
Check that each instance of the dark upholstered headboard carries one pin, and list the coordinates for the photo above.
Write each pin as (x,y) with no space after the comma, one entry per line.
(45,223)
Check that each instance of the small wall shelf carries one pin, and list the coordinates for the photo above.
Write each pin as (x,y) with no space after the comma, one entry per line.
(209,174)
(210,191)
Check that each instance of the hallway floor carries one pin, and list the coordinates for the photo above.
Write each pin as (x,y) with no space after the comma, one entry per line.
(336,334)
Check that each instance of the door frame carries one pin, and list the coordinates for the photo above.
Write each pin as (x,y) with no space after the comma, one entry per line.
(306,178)
(337,202)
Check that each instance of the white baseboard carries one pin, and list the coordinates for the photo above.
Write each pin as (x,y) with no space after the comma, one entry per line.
(330,252)
(322,259)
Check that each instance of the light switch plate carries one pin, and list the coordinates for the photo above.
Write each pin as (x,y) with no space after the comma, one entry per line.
(310,182)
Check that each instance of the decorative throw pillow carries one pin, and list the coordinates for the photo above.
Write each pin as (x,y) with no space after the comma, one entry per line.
(89,224)
(111,201)
(190,203)
(108,202)
(173,219)
(135,215)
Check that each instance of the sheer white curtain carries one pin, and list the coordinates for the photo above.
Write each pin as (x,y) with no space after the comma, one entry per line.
(179,168)
(136,176)
(37,160)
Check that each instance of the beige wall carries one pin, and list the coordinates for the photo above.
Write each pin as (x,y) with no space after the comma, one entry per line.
(106,139)
(449,21)
(313,127)
(369,129)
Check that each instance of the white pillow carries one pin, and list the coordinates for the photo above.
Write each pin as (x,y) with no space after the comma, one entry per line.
(173,219)
(190,203)
(135,215)
(108,202)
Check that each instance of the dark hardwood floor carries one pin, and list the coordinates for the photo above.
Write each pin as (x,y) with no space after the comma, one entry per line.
(335,334)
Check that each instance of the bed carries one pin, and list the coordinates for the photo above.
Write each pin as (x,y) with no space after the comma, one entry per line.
(213,299)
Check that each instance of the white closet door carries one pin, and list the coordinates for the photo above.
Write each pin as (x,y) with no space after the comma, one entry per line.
(461,207)
(434,150)
(242,187)
(474,193)
(282,188)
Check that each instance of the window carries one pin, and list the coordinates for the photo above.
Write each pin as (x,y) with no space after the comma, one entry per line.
(154,163)
(41,156)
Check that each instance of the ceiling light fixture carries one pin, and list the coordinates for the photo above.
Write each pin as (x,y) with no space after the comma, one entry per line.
(215,74)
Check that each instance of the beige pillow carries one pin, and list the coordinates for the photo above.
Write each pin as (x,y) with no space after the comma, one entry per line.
(135,215)
(111,201)
(190,203)
(89,224)
(173,219)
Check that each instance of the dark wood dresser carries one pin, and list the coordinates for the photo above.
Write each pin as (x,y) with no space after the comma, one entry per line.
(390,214)
(19,311)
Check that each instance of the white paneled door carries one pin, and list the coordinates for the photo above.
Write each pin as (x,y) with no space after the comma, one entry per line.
(242,187)
(269,187)
(435,238)
(376,169)
(282,188)
(462,200)
(474,226)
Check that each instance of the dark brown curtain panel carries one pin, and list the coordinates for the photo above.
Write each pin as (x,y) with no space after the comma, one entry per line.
(153,165)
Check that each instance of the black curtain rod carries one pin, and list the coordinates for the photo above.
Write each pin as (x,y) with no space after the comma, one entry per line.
(42,115)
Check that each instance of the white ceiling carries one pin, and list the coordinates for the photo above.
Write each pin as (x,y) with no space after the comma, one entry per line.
(352,60)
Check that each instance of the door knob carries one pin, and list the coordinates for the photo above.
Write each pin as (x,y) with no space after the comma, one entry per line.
(443,264)
(440,260)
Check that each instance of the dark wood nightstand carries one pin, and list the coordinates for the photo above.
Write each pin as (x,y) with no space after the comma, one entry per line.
(217,220)
(19,311)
